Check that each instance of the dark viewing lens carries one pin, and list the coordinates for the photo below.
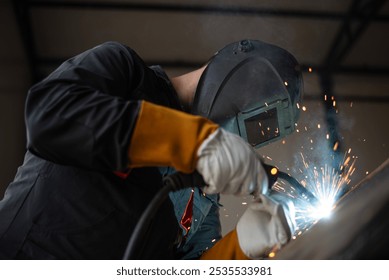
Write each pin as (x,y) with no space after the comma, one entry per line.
(262,127)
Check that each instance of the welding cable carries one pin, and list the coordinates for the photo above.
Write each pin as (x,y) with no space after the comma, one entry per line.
(172,182)
(137,239)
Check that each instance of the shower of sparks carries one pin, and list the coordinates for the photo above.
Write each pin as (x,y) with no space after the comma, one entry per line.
(327,183)
(324,180)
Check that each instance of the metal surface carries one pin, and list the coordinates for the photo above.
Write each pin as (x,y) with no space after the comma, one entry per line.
(357,229)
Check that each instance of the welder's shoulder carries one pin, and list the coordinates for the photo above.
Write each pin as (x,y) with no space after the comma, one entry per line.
(113,54)
(114,47)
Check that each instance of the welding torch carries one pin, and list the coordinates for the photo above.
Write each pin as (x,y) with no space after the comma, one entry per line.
(180,180)
(274,174)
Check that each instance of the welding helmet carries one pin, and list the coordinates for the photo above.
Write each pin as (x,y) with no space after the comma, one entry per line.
(251,88)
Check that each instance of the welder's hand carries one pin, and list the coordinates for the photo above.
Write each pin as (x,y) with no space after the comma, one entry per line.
(230,165)
(263,227)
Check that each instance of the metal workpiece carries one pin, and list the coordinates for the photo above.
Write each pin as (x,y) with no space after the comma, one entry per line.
(357,229)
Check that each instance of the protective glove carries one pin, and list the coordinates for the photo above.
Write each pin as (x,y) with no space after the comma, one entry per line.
(265,226)
(229,165)
(167,137)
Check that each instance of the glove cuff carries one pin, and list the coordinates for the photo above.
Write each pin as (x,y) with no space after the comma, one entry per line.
(167,137)
(227,248)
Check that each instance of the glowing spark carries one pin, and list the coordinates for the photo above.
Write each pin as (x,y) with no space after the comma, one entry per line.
(318,125)
(286,83)
(327,183)
(304,108)
(273,171)
(298,106)
(347,161)
(272,255)
(310,70)
(336,145)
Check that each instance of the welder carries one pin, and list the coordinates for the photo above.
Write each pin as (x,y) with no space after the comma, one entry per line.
(103,129)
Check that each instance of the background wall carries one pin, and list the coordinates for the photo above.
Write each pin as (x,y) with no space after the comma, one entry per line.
(180,35)
(14,83)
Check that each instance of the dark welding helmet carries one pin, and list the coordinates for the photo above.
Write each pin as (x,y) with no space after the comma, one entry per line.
(251,88)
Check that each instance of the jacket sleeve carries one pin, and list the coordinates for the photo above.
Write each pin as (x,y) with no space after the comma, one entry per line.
(79,115)
(83,114)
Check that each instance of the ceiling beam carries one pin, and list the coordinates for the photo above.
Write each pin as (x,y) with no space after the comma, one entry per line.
(203,9)
(51,63)
(362,70)
(351,29)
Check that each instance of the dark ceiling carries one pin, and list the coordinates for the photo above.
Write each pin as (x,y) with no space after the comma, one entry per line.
(328,36)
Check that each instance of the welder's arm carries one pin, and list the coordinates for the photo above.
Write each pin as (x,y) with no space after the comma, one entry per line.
(83,113)
(166,137)
(264,226)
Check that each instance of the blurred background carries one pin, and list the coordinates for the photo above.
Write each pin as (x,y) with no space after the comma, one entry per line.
(342,47)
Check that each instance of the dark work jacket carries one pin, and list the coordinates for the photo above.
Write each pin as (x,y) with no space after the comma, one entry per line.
(65,201)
